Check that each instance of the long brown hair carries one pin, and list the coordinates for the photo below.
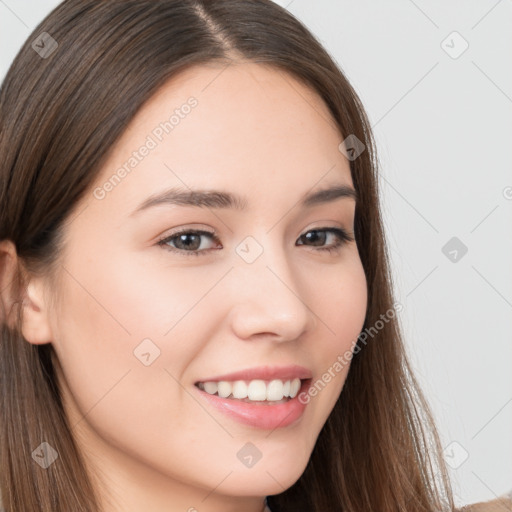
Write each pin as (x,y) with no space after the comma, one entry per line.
(60,113)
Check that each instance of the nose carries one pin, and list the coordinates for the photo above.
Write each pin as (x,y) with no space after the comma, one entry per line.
(269,299)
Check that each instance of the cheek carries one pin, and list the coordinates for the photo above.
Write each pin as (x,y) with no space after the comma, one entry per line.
(353,300)
(340,301)
(341,309)
(107,388)
(115,303)
(125,329)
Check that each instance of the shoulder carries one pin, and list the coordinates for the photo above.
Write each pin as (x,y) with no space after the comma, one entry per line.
(501,504)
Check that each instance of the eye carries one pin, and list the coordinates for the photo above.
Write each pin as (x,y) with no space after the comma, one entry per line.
(319,236)
(189,241)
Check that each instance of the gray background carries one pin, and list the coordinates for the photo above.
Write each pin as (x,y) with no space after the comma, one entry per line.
(442,120)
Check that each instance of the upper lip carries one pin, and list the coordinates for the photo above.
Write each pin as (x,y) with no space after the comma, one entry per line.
(284,373)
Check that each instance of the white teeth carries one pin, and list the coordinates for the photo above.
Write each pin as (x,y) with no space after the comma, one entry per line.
(224,389)
(210,387)
(286,388)
(294,387)
(239,389)
(275,390)
(257,390)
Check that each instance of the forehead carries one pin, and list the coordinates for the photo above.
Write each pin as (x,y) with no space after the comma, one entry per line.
(246,127)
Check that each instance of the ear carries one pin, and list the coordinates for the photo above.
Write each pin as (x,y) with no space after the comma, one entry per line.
(36,326)
(35,319)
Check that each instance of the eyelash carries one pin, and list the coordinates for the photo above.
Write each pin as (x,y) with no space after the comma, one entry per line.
(343,238)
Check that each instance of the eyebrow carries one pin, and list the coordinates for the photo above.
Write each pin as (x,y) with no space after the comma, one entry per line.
(222,199)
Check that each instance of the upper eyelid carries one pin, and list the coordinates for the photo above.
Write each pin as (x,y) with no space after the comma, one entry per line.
(214,235)
(213,232)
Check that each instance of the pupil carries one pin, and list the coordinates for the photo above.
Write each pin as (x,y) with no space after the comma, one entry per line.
(316,236)
(182,239)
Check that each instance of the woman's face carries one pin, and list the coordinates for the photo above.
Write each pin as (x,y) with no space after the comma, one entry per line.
(139,323)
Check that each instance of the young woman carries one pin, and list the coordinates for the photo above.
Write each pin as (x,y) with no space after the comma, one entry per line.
(197,306)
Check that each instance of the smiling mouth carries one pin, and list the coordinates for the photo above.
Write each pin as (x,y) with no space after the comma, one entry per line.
(275,391)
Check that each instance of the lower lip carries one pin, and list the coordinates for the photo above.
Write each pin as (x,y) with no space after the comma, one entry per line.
(264,415)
